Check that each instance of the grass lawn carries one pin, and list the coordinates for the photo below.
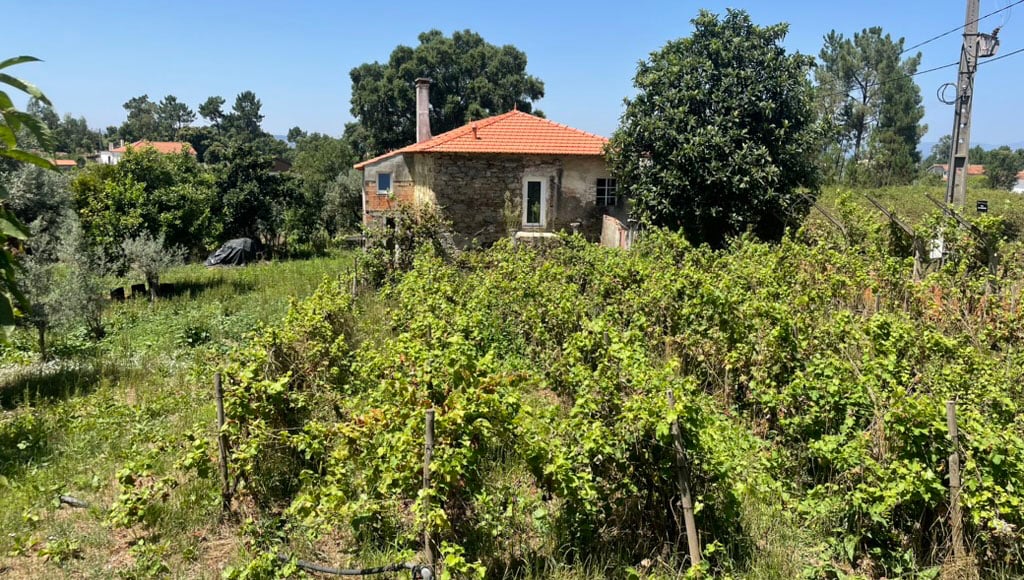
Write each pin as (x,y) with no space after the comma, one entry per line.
(70,425)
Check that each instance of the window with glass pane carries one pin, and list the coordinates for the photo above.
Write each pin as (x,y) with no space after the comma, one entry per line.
(605,191)
(383,183)
(533,202)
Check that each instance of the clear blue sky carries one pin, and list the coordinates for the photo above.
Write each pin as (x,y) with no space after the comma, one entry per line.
(296,55)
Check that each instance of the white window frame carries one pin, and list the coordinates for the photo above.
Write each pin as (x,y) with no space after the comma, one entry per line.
(614,196)
(391,183)
(543,200)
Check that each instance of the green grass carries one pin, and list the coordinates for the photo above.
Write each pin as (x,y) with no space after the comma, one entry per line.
(68,426)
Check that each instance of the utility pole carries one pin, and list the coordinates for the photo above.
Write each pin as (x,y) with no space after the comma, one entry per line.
(976,46)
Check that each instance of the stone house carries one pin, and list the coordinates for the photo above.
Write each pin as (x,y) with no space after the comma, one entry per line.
(510,173)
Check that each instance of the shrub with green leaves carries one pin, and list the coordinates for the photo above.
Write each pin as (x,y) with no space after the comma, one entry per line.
(810,385)
(148,256)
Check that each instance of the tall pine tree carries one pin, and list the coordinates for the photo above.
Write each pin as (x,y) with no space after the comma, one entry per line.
(870,101)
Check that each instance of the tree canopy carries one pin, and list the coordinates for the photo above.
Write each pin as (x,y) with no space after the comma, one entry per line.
(162,195)
(721,133)
(331,201)
(1001,165)
(472,79)
(871,106)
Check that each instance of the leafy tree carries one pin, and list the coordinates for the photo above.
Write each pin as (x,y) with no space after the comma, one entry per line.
(867,92)
(721,135)
(75,136)
(319,162)
(173,116)
(472,79)
(63,281)
(242,125)
(83,289)
(70,134)
(167,195)
(343,202)
(252,199)
(200,138)
(149,256)
(294,134)
(38,197)
(42,297)
(1002,166)
(14,121)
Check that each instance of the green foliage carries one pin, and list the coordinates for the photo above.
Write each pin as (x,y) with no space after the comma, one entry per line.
(139,487)
(60,550)
(14,121)
(808,375)
(393,240)
(68,426)
(149,256)
(871,109)
(472,79)
(1002,166)
(329,201)
(252,199)
(38,197)
(147,192)
(70,135)
(720,135)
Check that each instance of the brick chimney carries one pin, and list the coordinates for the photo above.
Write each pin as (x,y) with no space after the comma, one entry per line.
(422,109)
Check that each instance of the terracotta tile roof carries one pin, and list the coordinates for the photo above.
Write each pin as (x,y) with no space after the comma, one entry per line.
(165,147)
(514,132)
(65,163)
(972,169)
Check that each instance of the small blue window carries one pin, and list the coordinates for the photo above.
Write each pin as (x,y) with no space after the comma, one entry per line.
(383,183)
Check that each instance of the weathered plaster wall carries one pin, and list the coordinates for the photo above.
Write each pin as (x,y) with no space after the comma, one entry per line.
(402,186)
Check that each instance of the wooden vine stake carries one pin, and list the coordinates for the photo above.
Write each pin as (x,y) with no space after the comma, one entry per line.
(222,444)
(355,276)
(428,456)
(956,522)
(683,481)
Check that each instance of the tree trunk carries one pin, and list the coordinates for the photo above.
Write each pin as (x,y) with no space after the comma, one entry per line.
(42,342)
(154,284)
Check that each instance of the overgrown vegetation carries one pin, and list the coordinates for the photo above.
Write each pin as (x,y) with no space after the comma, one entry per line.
(811,383)
(125,421)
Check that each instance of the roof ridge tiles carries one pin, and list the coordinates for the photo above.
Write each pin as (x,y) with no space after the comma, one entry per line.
(512,132)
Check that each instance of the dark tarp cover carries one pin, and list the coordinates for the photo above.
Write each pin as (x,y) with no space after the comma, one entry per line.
(233,253)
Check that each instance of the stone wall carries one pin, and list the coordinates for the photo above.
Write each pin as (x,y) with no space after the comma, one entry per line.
(471,190)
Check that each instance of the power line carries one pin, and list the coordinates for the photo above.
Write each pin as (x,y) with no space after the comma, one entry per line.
(909,75)
(962,26)
(930,70)
(1001,57)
